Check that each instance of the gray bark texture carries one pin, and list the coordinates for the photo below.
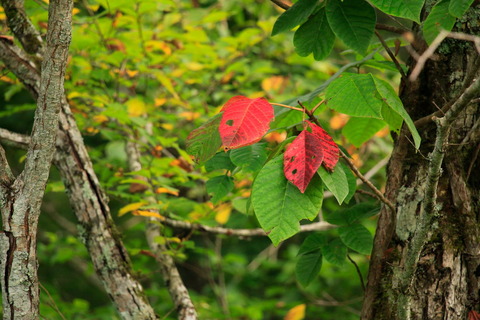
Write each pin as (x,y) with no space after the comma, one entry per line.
(21,197)
(90,204)
(426,258)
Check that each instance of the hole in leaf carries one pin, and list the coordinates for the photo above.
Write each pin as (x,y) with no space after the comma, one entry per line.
(292,159)
(313,157)
(294,171)
(229,123)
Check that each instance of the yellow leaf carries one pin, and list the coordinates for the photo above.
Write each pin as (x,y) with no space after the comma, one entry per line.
(74,94)
(131,73)
(92,130)
(165,190)
(151,214)
(338,121)
(194,66)
(75,11)
(259,94)
(5,78)
(274,83)
(136,107)
(100,118)
(167,83)
(158,102)
(223,213)
(167,126)
(130,207)
(296,313)
(189,115)
(158,45)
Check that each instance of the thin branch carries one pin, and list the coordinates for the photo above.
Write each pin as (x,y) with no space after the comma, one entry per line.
(386,27)
(54,305)
(392,56)
(258,232)
(281,4)
(358,271)
(6,175)
(285,106)
(22,27)
(436,42)
(366,181)
(14,139)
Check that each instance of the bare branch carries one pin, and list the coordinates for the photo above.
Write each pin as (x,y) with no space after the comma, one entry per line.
(281,4)
(436,42)
(14,139)
(22,27)
(6,175)
(392,56)
(258,232)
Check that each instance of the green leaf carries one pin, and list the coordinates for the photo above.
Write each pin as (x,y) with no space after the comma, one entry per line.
(219,187)
(251,158)
(353,21)
(357,238)
(314,36)
(361,211)
(336,182)
(390,97)
(308,266)
(458,7)
(352,182)
(335,252)
(221,160)
(439,18)
(355,95)
(279,205)
(203,142)
(392,118)
(312,243)
(409,9)
(294,16)
(359,130)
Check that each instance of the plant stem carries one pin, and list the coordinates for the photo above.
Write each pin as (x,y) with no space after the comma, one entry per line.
(285,106)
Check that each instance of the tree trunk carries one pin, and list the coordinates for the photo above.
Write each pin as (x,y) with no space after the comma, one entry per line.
(441,280)
(21,197)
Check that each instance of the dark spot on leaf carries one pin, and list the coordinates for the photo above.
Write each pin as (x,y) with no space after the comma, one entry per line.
(294,171)
(229,123)
(292,158)
(313,157)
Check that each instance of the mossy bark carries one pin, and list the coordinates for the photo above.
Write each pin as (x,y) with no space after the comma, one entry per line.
(444,280)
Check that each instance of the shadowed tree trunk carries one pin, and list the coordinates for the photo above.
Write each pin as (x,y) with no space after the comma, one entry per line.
(426,258)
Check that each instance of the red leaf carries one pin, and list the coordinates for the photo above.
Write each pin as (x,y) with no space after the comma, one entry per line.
(473,315)
(302,159)
(329,148)
(244,121)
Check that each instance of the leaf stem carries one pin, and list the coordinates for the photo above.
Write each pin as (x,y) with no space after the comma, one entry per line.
(285,106)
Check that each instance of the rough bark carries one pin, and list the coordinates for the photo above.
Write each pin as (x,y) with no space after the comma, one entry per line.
(90,204)
(426,258)
(21,197)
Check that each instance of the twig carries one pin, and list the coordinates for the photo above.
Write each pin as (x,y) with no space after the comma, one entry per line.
(370,194)
(436,42)
(358,271)
(366,181)
(386,27)
(392,56)
(54,305)
(258,232)
(285,106)
(281,4)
